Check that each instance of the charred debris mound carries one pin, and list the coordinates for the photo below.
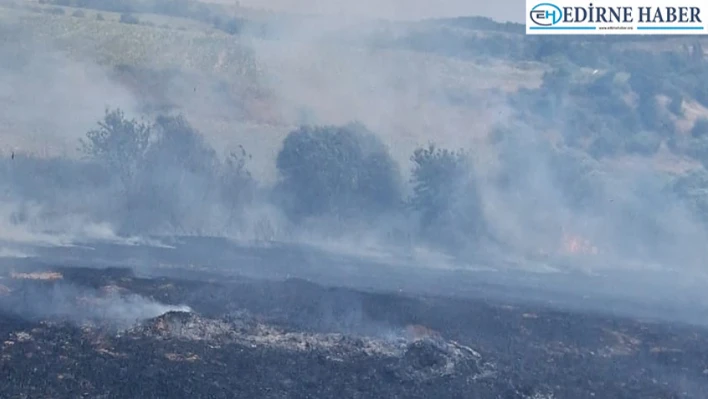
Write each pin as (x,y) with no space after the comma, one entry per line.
(80,332)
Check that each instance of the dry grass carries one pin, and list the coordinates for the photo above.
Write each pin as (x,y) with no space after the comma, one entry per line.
(191,47)
(411,115)
(37,276)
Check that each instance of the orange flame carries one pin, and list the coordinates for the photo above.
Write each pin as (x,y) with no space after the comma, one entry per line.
(417,331)
(574,244)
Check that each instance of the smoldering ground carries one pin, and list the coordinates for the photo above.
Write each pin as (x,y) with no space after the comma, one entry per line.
(59,301)
(544,208)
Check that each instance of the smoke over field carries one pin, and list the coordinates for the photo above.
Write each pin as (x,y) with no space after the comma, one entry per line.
(447,143)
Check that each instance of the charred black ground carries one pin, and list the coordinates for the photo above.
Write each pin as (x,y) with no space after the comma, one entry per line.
(252,338)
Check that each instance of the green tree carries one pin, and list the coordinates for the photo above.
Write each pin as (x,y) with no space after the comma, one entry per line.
(445,195)
(120,144)
(337,170)
(128,18)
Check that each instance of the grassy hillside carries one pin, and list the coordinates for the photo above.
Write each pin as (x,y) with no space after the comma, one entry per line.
(248,77)
(169,43)
(250,89)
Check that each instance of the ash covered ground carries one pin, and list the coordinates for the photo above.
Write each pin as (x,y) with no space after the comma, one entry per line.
(203,332)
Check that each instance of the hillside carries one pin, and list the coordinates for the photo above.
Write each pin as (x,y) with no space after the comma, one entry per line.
(265,86)
(423,81)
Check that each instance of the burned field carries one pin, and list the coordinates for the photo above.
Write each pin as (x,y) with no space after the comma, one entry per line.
(109,333)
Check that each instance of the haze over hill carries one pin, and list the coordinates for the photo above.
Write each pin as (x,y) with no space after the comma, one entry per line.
(507,10)
(457,137)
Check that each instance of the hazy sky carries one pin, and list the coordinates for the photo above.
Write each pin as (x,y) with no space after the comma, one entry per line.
(503,10)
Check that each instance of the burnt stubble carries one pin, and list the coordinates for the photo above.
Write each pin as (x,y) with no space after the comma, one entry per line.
(251,338)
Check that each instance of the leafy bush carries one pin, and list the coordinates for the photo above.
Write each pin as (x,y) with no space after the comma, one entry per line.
(179,183)
(177,143)
(445,195)
(120,144)
(99,17)
(127,18)
(336,170)
(237,184)
(232,26)
(78,14)
(170,176)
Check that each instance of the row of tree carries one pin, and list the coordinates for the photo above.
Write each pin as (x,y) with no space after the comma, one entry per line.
(343,173)
(161,176)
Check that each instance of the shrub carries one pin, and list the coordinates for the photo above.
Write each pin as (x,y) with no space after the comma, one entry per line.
(178,187)
(99,17)
(445,195)
(78,14)
(236,181)
(170,176)
(336,170)
(178,143)
(232,26)
(118,143)
(127,18)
